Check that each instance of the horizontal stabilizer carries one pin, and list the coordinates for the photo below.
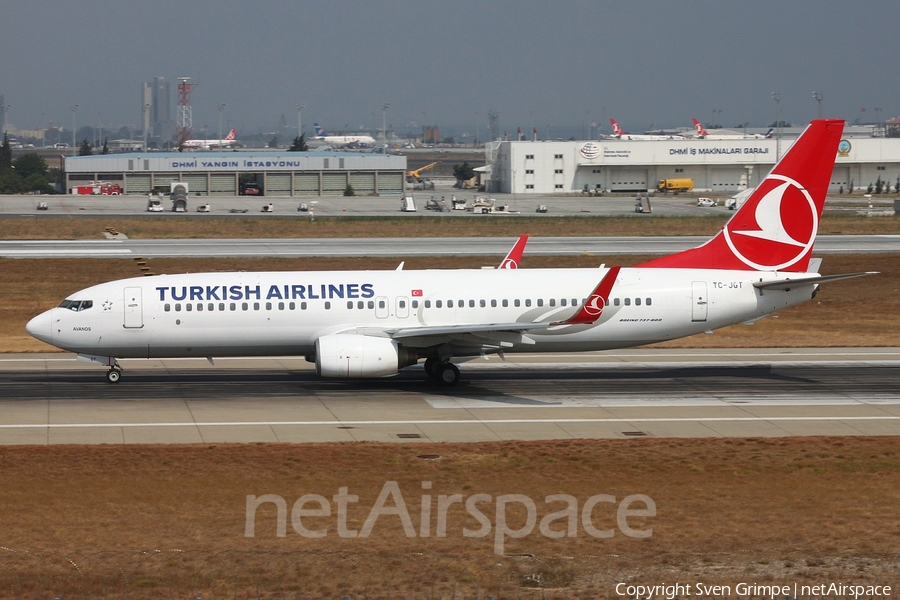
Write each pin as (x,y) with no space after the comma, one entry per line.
(786,284)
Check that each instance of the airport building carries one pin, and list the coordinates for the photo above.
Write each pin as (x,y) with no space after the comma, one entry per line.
(224,173)
(726,166)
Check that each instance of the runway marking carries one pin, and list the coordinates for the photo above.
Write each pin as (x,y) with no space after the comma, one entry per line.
(447,422)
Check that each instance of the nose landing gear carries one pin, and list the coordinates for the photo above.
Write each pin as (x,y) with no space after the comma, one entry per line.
(114,374)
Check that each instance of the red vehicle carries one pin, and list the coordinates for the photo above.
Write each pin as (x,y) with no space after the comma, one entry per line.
(103,188)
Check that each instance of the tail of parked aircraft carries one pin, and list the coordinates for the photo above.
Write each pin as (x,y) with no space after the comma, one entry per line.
(319,130)
(701,132)
(770,132)
(615,127)
(776,227)
(230,135)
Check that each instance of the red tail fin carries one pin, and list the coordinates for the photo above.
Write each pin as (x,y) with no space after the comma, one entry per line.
(776,227)
(699,128)
(230,135)
(514,258)
(615,127)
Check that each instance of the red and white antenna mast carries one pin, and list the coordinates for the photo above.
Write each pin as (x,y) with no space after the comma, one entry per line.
(185,117)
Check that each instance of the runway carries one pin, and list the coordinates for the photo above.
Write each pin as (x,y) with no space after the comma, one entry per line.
(400,247)
(52,399)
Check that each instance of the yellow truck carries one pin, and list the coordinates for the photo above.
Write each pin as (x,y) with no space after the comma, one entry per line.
(683,184)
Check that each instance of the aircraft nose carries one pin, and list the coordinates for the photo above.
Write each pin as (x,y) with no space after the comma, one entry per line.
(41,327)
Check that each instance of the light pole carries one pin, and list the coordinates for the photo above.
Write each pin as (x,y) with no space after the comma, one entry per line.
(99,130)
(220,108)
(145,108)
(74,108)
(384,108)
(818,96)
(6,118)
(776,96)
(300,107)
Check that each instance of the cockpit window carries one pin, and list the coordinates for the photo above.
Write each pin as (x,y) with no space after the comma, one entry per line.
(76,305)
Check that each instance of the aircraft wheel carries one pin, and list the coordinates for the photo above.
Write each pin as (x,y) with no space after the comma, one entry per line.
(113,375)
(448,374)
(430,364)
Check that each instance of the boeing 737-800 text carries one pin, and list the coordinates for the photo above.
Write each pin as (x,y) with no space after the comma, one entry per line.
(373,323)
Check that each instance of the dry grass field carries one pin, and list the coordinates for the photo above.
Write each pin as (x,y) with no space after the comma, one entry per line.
(856,312)
(154,521)
(173,226)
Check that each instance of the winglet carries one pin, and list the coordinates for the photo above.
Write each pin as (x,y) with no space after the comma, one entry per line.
(514,258)
(592,308)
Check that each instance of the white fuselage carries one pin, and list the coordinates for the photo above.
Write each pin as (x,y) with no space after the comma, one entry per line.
(284,313)
(347,140)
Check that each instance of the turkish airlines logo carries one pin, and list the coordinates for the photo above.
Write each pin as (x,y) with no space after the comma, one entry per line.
(786,221)
(509,264)
(594,305)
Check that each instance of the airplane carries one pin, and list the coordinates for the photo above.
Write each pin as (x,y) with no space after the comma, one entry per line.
(513,258)
(343,140)
(363,324)
(619,133)
(210,144)
(702,133)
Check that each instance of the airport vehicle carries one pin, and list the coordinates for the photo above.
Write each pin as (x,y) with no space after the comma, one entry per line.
(621,134)
(487,206)
(251,188)
(97,188)
(154,204)
(355,324)
(42,205)
(267,208)
(203,208)
(415,176)
(642,204)
(228,142)
(706,202)
(408,204)
(680,184)
(361,141)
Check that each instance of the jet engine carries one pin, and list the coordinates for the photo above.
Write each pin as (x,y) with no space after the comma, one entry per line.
(351,355)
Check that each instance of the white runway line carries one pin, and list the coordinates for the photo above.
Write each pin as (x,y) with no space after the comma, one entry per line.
(447,422)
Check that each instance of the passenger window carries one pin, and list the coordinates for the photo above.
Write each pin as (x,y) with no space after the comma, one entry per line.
(189,307)
(449,303)
(210,307)
(167,307)
(505,303)
(268,306)
(472,303)
(540,302)
(199,307)
(616,302)
(292,305)
(360,305)
(627,301)
(637,301)
(493,303)
(552,301)
(381,304)
(281,306)
(415,304)
(575,301)
(649,301)
(402,304)
(177,308)
(371,304)
(517,303)
(428,304)
(437,304)
(303,306)
(221,306)
(233,306)
(256,306)
(245,306)
(350,304)
(527,301)
(327,305)
(563,302)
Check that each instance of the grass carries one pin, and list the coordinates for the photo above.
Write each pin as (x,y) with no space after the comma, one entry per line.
(855,312)
(98,521)
(414,226)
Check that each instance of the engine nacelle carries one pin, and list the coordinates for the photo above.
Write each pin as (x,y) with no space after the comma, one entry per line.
(351,355)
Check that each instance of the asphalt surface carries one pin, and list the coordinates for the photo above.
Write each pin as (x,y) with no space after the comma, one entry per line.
(52,399)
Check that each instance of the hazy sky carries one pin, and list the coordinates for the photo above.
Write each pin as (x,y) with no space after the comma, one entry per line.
(537,62)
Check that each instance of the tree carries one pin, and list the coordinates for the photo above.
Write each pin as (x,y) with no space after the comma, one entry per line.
(37,183)
(5,154)
(299,144)
(463,172)
(273,143)
(85,149)
(105,147)
(10,183)
(30,163)
(349,191)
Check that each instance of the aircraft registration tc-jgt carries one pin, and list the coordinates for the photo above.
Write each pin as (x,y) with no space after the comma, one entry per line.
(356,324)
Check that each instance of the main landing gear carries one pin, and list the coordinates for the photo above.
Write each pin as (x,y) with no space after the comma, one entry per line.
(445,373)
(114,374)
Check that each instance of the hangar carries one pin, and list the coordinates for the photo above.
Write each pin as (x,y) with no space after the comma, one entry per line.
(223,173)
(727,166)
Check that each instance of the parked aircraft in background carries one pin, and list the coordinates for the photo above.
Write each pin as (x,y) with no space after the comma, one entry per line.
(343,140)
(702,133)
(228,142)
(372,323)
(619,133)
